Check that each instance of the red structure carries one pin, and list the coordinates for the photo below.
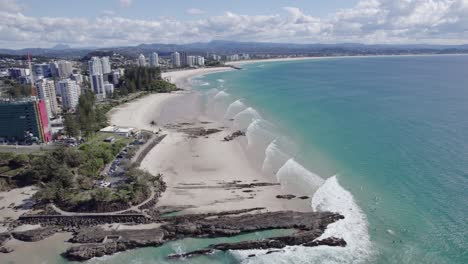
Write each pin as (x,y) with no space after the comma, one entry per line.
(43,121)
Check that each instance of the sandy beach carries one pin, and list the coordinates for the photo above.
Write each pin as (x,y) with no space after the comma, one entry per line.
(196,168)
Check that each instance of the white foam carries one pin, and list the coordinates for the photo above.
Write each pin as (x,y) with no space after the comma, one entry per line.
(243,119)
(293,176)
(274,158)
(234,108)
(218,105)
(353,229)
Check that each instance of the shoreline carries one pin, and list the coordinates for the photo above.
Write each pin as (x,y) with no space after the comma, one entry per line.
(191,164)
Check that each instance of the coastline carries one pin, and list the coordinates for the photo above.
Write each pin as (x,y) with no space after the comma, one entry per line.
(203,173)
(191,166)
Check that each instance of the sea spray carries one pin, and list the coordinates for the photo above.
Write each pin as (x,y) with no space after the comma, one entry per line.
(219,105)
(294,177)
(259,135)
(234,108)
(243,119)
(274,158)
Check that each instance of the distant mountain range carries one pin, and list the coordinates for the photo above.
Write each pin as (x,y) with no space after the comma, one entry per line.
(231,47)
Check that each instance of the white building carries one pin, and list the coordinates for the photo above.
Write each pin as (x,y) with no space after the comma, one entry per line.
(106,67)
(234,57)
(95,66)
(65,69)
(70,92)
(78,78)
(200,61)
(215,57)
(109,88)
(154,60)
(191,61)
(97,84)
(45,89)
(175,57)
(141,60)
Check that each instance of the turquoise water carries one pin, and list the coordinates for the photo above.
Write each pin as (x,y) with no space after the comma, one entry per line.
(382,140)
(393,129)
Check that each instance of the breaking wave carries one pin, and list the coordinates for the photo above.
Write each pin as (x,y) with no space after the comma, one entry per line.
(274,158)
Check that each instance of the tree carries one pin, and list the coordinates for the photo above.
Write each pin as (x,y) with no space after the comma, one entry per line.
(102,195)
(71,125)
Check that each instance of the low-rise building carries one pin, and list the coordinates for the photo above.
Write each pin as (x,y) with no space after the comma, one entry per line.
(24,120)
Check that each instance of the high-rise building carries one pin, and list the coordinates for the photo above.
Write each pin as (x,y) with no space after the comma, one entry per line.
(200,61)
(45,89)
(97,84)
(54,72)
(65,69)
(42,69)
(175,59)
(141,60)
(105,63)
(70,92)
(154,60)
(24,120)
(190,61)
(184,59)
(95,66)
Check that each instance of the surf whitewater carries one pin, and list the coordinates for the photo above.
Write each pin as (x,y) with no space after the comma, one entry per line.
(274,155)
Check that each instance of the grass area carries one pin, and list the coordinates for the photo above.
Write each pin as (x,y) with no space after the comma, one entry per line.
(99,137)
(14,172)
(4,169)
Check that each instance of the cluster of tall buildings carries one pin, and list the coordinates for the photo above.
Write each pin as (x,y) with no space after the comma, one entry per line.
(55,88)
(102,77)
(184,60)
(153,60)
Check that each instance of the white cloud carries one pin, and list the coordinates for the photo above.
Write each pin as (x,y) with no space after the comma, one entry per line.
(370,21)
(10,6)
(125,3)
(195,11)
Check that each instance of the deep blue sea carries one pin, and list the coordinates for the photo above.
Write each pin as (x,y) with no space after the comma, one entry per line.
(383,140)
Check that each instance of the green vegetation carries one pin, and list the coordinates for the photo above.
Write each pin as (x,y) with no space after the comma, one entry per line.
(144,79)
(15,90)
(68,176)
(88,119)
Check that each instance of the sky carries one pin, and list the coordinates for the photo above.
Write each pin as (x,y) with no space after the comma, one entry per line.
(104,23)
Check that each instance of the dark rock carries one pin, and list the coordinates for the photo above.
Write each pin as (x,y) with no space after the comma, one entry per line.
(98,242)
(4,237)
(83,220)
(286,196)
(330,241)
(35,234)
(234,135)
(6,250)
(112,242)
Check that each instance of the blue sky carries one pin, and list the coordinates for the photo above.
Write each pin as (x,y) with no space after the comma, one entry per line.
(104,23)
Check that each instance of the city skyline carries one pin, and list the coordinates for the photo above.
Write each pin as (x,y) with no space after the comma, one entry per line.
(27,24)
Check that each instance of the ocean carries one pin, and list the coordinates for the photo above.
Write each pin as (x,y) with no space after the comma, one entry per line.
(382,140)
